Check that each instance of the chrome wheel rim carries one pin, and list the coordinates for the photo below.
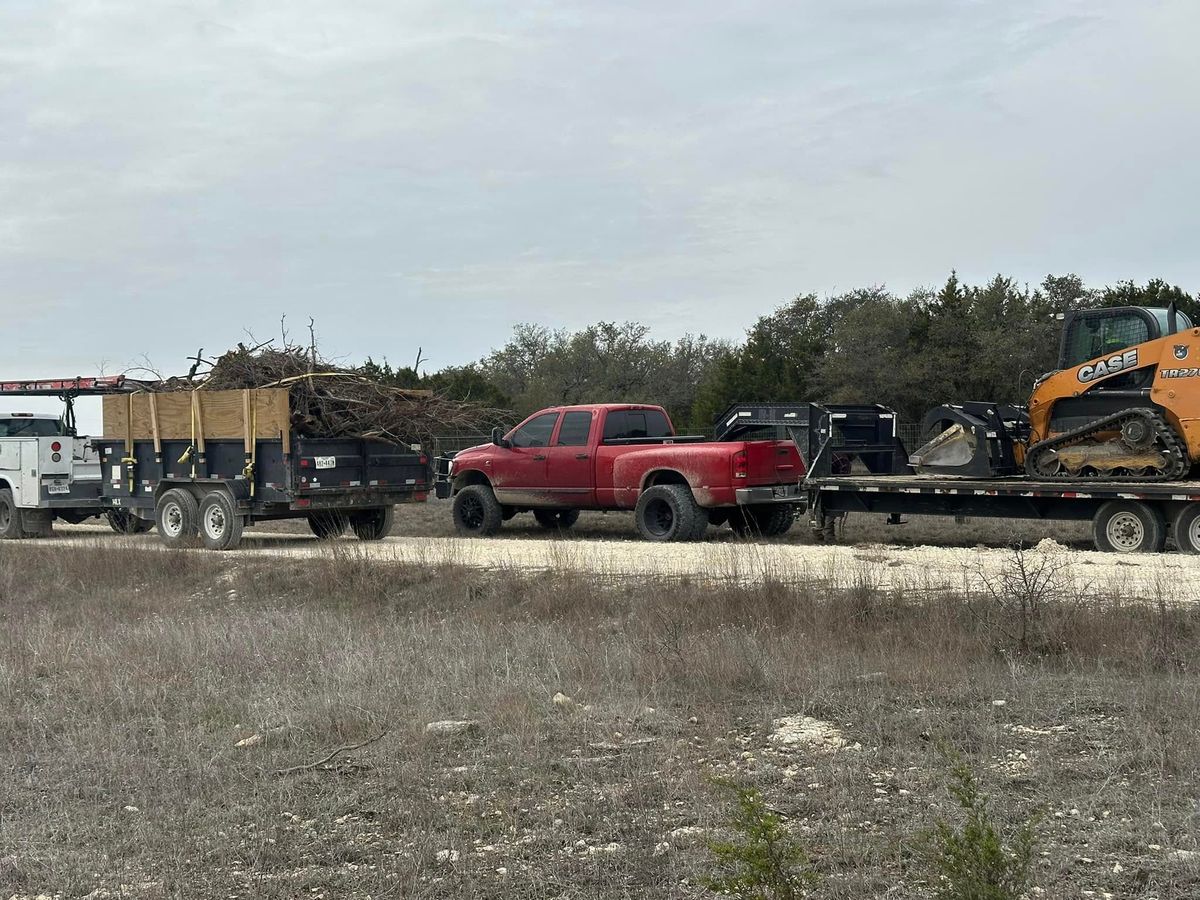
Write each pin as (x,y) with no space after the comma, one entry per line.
(1125,532)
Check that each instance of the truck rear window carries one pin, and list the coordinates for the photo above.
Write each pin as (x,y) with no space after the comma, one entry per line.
(23,427)
(636,423)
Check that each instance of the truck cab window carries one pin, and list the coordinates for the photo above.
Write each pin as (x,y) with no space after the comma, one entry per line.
(30,427)
(636,423)
(576,427)
(536,432)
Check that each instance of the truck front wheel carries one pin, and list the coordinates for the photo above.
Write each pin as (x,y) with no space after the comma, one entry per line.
(177,517)
(669,512)
(556,519)
(477,512)
(220,524)
(1126,526)
(10,517)
(373,524)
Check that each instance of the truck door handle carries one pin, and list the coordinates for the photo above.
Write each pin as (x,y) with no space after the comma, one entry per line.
(581,456)
(539,456)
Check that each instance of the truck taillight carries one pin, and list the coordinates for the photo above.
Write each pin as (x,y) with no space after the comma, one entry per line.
(741,464)
(55,447)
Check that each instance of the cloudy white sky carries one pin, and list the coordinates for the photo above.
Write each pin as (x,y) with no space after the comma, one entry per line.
(430,173)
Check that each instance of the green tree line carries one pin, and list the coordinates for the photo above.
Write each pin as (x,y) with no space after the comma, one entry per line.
(957,342)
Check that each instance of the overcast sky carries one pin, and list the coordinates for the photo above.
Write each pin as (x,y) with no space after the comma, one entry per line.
(430,173)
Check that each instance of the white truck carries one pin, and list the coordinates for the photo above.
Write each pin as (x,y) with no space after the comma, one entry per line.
(47,471)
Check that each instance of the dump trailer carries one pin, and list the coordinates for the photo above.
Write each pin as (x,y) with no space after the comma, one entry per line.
(205,464)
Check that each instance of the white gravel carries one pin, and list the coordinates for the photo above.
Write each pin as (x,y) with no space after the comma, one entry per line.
(1171,577)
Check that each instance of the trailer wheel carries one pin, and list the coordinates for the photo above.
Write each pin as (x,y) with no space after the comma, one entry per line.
(1186,530)
(177,517)
(1127,526)
(477,512)
(327,525)
(669,512)
(220,524)
(122,521)
(556,519)
(10,517)
(373,524)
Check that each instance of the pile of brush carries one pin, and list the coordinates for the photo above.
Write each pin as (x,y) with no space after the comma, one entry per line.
(328,400)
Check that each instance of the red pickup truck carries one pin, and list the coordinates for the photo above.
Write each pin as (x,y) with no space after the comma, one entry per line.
(623,456)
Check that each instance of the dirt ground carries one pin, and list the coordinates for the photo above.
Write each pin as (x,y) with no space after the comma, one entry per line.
(933,555)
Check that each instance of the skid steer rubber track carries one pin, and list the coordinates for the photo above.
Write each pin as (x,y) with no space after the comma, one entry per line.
(1164,437)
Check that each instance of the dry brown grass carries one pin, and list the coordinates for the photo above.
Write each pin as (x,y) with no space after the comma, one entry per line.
(127,679)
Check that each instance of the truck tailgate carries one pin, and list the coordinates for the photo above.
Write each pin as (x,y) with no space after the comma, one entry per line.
(341,463)
(773,462)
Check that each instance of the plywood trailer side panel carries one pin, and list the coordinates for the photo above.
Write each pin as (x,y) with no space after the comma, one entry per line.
(221,415)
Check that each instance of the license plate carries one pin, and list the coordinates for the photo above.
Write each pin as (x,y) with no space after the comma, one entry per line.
(57,487)
(325,462)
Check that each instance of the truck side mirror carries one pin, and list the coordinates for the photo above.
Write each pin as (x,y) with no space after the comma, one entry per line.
(498,438)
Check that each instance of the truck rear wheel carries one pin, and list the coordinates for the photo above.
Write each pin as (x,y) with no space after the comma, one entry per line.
(762,520)
(477,512)
(327,525)
(177,517)
(556,519)
(669,512)
(373,524)
(10,517)
(1127,526)
(1186,529)
(220,523)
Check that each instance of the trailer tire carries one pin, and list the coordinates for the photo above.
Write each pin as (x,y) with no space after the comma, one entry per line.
(327,525)
(477,512)
(10,517)
(122,521)
(220,523)
(177,518)
(373,524)
(556,519)
(1186,529)
(669,512)
(1128,526)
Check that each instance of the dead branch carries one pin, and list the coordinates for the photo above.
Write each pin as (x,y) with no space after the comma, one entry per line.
(329,757)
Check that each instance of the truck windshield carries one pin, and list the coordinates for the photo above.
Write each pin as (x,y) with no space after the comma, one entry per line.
(636,423)
(30,427)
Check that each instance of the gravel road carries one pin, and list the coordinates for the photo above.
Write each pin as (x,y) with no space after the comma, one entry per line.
(1172,577)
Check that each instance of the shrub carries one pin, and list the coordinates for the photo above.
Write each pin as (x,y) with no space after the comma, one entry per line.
(763,861)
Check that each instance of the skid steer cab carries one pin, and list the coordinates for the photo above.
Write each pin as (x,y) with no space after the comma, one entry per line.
(1123,406)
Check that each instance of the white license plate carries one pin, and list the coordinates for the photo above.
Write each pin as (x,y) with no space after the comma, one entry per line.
(325,462)
(58,487)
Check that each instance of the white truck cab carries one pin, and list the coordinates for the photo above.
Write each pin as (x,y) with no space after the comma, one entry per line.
(45,471)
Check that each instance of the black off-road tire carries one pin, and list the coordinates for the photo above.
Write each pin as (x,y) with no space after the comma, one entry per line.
(556,519)
(477,512)
(1186,529)
(669,512)
(1127,526)
(327,525)
(177,518)
(373,524)
(220,523)
(10,517)
(122,521)
(762,520)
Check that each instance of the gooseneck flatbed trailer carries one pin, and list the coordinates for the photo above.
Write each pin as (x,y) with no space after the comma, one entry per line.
(856,463)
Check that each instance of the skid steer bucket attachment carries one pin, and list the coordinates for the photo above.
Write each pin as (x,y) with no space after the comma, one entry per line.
(974,439)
